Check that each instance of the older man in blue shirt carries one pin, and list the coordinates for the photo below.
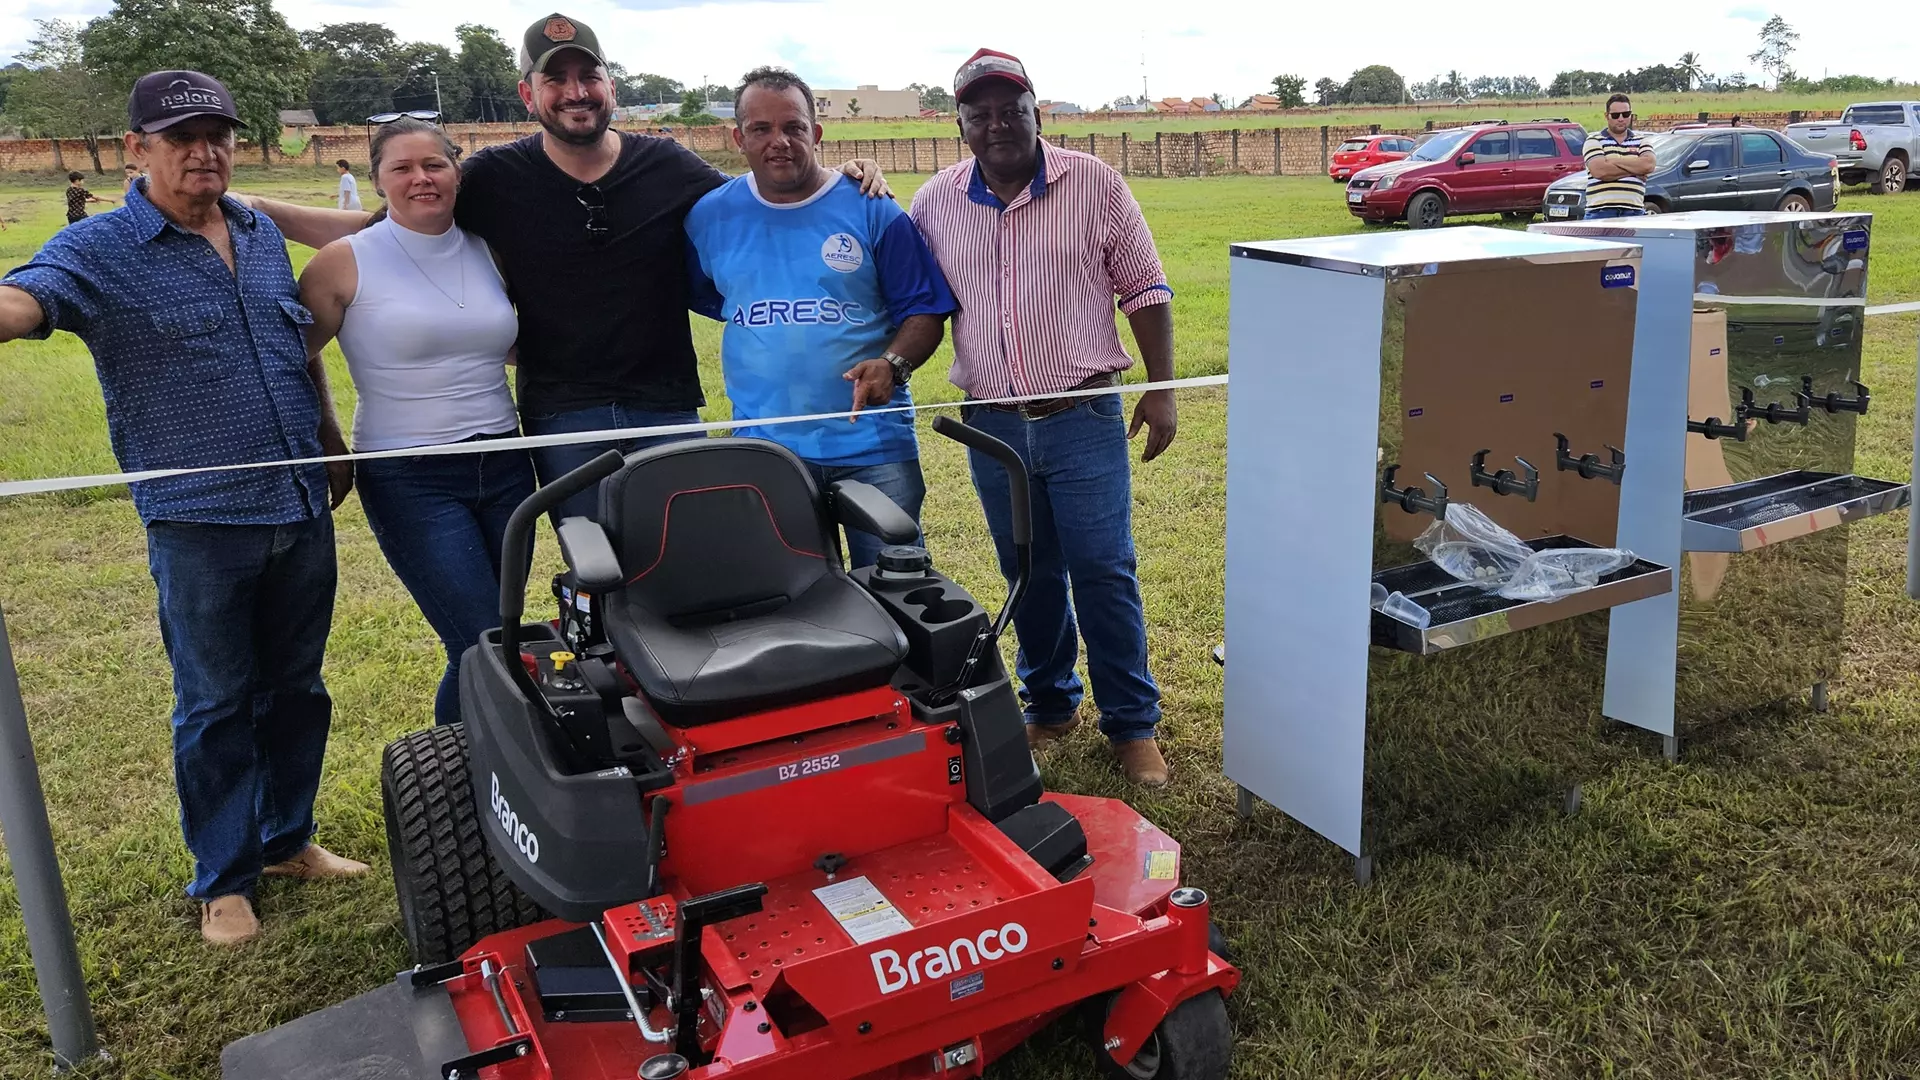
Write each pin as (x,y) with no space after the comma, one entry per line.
(188,303)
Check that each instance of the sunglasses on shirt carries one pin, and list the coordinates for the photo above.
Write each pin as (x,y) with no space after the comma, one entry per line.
(595,202)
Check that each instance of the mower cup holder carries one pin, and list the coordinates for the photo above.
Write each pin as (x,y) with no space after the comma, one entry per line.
(1757,513)
(1460,613)
(937,607)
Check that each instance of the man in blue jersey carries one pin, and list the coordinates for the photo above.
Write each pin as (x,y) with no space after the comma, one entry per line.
(831,300)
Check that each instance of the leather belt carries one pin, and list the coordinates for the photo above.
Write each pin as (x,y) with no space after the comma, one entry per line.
(1041,408)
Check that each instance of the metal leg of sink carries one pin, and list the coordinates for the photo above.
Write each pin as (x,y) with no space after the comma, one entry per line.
(1363,870)
(1670,747)
(1571,804)
(1820,697)
(1244,805)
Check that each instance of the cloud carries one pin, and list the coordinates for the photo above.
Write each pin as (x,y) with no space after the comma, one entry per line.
(1750,14)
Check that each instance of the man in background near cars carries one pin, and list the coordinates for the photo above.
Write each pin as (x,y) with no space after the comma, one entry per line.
(1618,163)
(1038,243)
(349,187)
(588,224)
(187,301)
(827,297)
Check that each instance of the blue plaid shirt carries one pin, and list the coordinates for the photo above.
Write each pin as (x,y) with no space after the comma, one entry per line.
(198,365)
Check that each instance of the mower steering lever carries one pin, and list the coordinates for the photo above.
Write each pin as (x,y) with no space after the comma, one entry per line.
(1021,511)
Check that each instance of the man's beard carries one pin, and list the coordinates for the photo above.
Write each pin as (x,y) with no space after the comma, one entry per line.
(554,128)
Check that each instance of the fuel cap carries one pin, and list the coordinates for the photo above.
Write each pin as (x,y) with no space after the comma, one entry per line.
(902,560)
(663,1067)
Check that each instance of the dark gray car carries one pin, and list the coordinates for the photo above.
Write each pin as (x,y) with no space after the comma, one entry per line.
(1718,169)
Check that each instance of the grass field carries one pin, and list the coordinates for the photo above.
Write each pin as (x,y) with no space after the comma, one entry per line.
(1746,913)
(1586,111)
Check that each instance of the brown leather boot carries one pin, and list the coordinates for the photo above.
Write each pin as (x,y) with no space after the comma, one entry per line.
(314,862)
(1140,759)
(228,920)
(1039,735)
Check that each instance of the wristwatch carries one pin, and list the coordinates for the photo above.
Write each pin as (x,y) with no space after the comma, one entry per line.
(902,367)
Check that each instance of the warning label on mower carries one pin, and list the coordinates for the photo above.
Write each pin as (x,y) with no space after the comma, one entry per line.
(861,911)
(1162,865)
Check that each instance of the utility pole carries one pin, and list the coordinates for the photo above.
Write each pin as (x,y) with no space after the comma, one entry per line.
(437,107)
(1143,67)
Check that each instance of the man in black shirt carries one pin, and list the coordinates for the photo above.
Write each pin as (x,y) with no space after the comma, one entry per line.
(588,226)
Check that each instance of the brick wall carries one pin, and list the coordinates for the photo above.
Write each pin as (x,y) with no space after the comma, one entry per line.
(1261,152)
(1287,151)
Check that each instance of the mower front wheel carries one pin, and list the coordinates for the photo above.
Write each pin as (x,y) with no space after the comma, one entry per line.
(451,890)
(1194,1042)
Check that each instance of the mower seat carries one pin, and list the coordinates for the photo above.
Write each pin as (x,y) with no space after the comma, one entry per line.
(735,598)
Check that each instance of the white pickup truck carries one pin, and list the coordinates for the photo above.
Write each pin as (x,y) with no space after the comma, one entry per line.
(1876,142)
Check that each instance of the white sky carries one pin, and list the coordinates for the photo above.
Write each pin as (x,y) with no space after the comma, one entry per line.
(1089,51)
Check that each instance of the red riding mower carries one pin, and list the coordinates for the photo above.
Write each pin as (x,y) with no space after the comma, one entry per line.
(753,816)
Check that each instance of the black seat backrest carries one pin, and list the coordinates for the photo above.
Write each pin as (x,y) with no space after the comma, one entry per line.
(709,530)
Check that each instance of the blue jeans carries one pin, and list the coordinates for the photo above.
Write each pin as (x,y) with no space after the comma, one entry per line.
(244,614)
(441,522)
(553,462)
(900,481)
(1617,212)
(1082,498)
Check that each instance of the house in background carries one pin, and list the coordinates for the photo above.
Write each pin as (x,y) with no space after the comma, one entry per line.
(296,119)
(1263,103)
(1060,108)
(871,100)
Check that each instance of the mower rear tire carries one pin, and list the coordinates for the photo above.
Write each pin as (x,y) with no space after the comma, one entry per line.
(451,890)
(1194,1042)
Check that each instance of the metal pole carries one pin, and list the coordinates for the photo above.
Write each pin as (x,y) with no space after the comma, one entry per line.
(437,107)
(1913,510)
(36,876)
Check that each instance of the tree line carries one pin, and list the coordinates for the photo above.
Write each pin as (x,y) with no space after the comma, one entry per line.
(72,80)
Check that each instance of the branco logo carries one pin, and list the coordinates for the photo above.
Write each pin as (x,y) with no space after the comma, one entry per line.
(936,962)
(510,823)
(842,252)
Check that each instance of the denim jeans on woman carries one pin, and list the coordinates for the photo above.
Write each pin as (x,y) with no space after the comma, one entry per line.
(244,615)
(553,462)
(441,521)
(1082,498)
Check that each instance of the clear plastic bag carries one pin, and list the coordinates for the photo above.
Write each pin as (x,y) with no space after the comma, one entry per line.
(1471,547)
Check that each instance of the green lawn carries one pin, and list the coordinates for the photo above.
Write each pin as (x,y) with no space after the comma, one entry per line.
(1745,913)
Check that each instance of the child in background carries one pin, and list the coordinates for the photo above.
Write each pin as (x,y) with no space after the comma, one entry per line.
(78,197)
(133,174)
(349,187)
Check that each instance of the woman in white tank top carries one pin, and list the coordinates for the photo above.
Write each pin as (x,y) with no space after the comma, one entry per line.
(427,328)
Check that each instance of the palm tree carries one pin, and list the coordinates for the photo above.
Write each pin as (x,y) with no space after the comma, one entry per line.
(1691,69)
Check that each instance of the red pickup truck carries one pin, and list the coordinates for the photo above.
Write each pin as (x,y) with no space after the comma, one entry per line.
(1483,169)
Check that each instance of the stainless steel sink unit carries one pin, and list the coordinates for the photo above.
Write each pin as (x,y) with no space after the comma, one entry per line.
(1762,313)
(1380,381)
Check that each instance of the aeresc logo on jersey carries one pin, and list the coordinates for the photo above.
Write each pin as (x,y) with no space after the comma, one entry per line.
(810,311)
(934,963)
(517,832)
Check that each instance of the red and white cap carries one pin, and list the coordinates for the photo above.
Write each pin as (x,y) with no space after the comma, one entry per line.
(988,64)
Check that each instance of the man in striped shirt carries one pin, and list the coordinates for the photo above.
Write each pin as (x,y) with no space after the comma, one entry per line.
(1618,162)
(1038,243)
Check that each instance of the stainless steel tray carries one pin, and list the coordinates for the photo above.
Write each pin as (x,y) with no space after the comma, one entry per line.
(1463,614)
(1772,509)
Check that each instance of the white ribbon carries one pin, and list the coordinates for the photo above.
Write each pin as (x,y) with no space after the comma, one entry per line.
(13,488)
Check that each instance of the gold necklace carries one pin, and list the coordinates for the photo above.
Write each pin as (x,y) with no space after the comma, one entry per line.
(460,257)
